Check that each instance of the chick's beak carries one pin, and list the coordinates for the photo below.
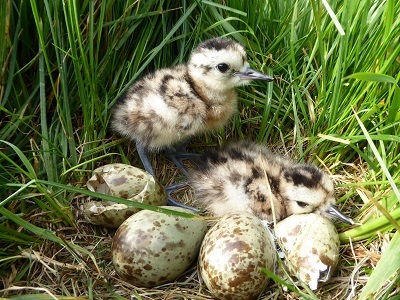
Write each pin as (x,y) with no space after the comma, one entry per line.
(333,211)
(250,74)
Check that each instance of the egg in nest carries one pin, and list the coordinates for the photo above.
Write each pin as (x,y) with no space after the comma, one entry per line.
(232,254)
(152,248)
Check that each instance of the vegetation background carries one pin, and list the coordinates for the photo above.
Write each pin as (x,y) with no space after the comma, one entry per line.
(335,101)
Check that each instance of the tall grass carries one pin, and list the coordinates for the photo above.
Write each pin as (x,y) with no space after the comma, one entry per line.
(335,100)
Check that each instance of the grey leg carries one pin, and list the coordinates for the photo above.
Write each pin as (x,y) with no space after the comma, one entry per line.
(178,155)
(173,202)
(144,157)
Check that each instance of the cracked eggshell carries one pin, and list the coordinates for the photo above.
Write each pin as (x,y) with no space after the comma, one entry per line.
(123,181)
(152,248)
(310,243)
(231,255)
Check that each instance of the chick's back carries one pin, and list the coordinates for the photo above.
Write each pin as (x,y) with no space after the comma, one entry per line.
(164,108)
(160,109)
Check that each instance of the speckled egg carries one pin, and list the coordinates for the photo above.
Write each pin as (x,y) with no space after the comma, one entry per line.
(231,255)
(152,248)
(123,181)
(310,243)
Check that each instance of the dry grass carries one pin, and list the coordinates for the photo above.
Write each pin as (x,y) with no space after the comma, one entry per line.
(56,270)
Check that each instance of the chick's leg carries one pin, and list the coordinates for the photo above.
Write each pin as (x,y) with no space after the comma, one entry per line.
(144,157)
(171,200)
(178,154)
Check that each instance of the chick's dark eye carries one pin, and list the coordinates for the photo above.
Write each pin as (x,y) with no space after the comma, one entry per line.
(302,204)
(222,67)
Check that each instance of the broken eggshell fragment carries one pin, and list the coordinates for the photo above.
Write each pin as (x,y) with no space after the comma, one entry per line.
(310,243)
(122,181)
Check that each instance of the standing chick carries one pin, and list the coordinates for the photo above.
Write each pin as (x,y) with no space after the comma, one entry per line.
(248,177)
(165,108)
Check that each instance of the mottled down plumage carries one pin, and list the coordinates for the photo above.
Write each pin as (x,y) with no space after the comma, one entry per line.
(246,176)
(168,106)
(165,108)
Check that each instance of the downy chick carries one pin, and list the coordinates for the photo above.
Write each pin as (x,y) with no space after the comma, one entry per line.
(165,108)
(245,176)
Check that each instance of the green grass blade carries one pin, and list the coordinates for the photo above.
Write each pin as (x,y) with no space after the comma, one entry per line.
(47,158)
(115,199)
(370,228)
(379,158)
(159,47)
(333,17)
(386,268)
(25,161)
(367,76)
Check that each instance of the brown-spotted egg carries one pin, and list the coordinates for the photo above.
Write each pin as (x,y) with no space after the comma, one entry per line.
(232,254)
(123,181)
(310,243)
(152,248)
